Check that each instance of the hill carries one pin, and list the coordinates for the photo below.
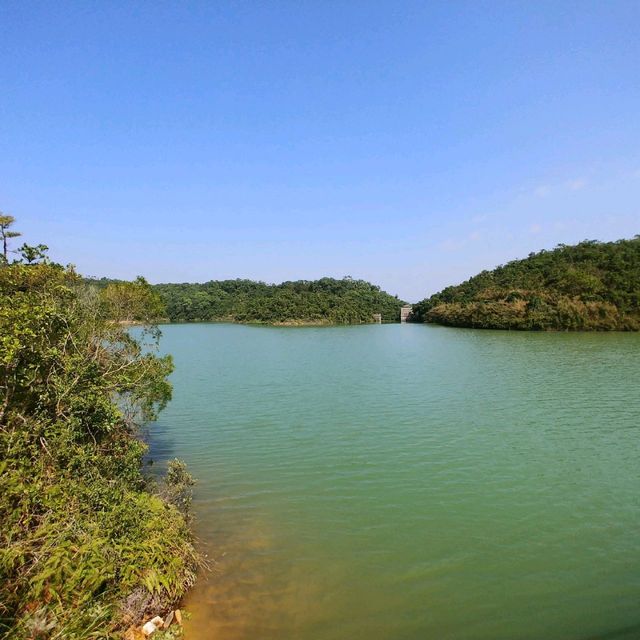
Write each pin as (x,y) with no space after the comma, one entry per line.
(324,301)
(589,286)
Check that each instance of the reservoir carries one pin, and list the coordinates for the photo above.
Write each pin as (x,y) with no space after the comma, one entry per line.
(413,482)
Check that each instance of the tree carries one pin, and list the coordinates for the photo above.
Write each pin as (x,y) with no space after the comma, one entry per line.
(132,301)
(87,544)
(31,254)
(86,548)
(6,234)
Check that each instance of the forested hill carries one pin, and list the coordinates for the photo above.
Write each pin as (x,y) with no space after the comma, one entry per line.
(590,286)
(324,301)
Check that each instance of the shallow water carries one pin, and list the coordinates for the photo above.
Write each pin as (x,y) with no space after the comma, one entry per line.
(409,481)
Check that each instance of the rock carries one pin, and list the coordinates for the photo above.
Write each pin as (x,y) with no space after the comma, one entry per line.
(152,626)
(178,616)
(168,620)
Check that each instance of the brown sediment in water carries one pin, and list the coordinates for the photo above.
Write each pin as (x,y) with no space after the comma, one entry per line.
(226,599)
(248,594)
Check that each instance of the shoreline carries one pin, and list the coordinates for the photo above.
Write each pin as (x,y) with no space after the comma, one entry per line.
(262,323)
(312,323)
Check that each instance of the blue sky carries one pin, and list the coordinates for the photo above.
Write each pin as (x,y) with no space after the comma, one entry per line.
(411,144)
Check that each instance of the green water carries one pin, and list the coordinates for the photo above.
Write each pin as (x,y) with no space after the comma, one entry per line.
(409,481)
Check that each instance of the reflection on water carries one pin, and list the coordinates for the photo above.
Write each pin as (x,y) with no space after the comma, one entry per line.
(409,482)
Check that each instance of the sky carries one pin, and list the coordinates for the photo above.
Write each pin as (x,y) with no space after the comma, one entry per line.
(411,144)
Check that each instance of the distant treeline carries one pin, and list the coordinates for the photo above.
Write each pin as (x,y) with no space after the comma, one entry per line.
(324,301)
(590,286)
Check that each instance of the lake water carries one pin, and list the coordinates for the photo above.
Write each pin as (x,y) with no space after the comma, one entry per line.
(409,481)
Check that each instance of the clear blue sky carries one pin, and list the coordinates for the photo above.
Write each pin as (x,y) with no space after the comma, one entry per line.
(411,144)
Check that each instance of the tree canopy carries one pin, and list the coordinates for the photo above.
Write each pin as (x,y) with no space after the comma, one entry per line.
(589,286)
(324,301)
(6,234)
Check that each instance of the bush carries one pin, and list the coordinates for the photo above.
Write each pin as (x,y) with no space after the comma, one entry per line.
(82,536)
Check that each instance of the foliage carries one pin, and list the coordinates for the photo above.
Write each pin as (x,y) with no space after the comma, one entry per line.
(132,301)
(178,486)
(590,286)
(33,253)
(324,301)
(6,234)
(81,532)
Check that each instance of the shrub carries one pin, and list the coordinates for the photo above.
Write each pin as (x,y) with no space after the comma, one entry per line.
(81,533)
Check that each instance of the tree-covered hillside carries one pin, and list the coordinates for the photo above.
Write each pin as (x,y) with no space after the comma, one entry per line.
(590,286)
(325,301)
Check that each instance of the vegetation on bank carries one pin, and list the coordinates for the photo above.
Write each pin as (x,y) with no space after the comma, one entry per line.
(324,301)
(88,545)
(590,286)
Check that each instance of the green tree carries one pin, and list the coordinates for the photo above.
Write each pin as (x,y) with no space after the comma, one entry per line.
(86,547)
(31,254)
(6,222)
(132,301)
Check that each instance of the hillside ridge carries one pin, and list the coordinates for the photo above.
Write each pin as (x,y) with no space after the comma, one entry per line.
(588,286)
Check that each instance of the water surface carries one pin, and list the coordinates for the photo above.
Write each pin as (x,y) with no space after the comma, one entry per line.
(409,481)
